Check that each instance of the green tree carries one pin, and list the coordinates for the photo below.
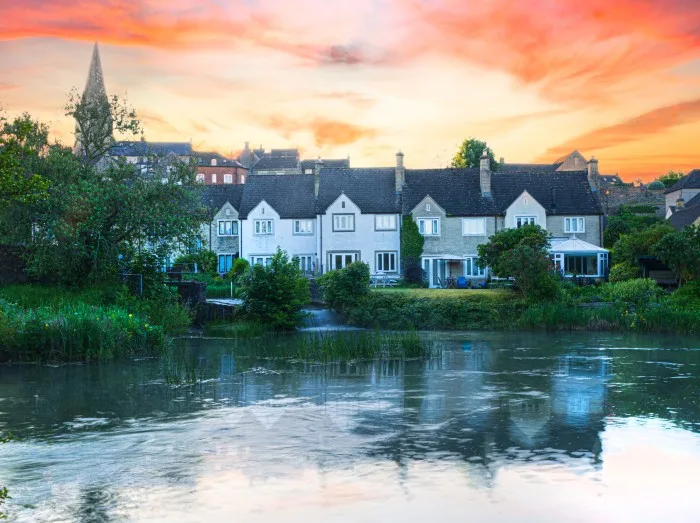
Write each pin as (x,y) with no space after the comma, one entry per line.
(343,288)
(469,155)
(670,178)
(274,294)
(21,142)
(522,253)
(629,247)
(412,242)
(629,219)
(680,250)
(96,119)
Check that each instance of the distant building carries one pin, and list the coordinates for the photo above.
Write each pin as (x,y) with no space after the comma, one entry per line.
(215,169)
(682,192)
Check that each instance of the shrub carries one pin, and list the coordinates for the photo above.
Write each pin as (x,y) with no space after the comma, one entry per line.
(623,271)
(412,242)
(686,297)
(274,294)
(206,261)
(343,288)
(240,265)
(640,292)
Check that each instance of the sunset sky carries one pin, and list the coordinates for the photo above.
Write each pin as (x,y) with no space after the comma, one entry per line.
(619,79)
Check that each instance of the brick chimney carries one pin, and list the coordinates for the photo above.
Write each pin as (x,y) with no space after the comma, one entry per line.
(318,164)
(485,175)
(593,174)
(399,173)
(680,203)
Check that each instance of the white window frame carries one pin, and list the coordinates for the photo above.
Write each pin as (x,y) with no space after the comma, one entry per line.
(525,220)
(350,222)
(234,225)
(242,178)
(480,226)
(393,258)
(306,262)
(213,177)
(471,269)
(385,222)
(201,178)
(261,259)
(263,227)
(228,178)
(434,223)
(580,224)
(298,228)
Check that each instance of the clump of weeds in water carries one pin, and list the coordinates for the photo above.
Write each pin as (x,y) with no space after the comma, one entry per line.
(178,369)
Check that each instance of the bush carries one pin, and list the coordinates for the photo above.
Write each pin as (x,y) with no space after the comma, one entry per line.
(640,292)
(274,294)
(343,288)
(206,261)
(240,265)
(686,297)
(412,242)
(623,272)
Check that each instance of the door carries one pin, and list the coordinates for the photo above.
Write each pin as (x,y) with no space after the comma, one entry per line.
(340,260)
(559,262)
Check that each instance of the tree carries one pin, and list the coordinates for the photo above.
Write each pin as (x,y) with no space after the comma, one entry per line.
(412,242)
(522,253)
(670,178)
(629,219)
(469,155)
(21,142)
(629,247)
(343,288)
(680,250)
(96,120)
(274,294)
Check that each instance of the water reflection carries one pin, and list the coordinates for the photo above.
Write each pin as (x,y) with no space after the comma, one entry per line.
(104,442)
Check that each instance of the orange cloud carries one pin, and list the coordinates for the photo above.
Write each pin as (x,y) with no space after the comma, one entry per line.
(325,132)
(648,124)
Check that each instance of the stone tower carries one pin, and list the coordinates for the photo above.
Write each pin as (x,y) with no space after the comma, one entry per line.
(93,128)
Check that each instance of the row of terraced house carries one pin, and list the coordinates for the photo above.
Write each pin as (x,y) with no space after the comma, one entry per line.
(327,214)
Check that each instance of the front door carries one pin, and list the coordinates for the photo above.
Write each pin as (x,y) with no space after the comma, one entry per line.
(340,260)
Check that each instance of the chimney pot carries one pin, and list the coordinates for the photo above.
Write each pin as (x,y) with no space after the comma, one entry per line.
(680,203)
(318,164)
(399,173)
(593,175)
(485,175)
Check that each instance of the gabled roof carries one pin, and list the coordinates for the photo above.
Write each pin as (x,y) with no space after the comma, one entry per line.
(205,158)
(695,200)
(215,196)
(683,217)
(689,181)
(290,195)
(284,153)
(458,191)
(142,148)
(330,163)
(371,189)
(575,245)
(275,163)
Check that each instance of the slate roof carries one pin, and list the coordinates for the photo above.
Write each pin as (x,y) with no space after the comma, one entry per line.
(215,196)
(290,195)
(458,191)
(371,189)
(684,217)
(284,153)
(689,181)
(330,163)
(528,167)
(695,200)
(275,163)
(141,148)
(205,158)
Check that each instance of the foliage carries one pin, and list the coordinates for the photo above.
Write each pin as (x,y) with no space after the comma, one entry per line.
(623,271)
(629,218)
(240,265)
(469,155)
(21,142)
(411,250)
(686,297)
(523,254)
(640,292)
(205,260)
(656,185)
(669,179)
(274,294)
(344,287)
(680,250)
(631,246)
(96,119)
(92,218)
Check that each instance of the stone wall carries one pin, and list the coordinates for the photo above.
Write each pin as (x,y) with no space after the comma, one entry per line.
(613,196)
(12,266)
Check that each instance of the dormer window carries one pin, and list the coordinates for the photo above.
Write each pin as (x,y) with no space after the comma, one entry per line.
(213,162)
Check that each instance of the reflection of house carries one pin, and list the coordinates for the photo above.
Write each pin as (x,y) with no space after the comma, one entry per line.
(529,420)
(579,388)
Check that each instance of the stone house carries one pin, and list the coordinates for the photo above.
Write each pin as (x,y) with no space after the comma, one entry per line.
(215,169)
(682,192)
(221,233)
(687,214)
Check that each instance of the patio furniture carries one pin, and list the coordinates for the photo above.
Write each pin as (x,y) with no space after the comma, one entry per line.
(450,283)
(462,283)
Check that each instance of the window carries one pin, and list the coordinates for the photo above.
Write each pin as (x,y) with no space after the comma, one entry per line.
(342,204)
(385,222)
(242,178)
(386,261)
(261,260)
(429,226)
(225,263)
(305,263)
(308,171)
(343,222)
(586,265)
(200,178)
(574,225)
(228,227)
(427,207)
(213,178)
(303,226)
(473,226)
(471,268)
(340,260)
(524,220)
(228,178)
(263,226)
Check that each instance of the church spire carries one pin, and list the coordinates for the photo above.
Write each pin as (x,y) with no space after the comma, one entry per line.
(95,84)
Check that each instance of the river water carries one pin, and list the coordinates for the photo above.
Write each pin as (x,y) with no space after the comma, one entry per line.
(499,427)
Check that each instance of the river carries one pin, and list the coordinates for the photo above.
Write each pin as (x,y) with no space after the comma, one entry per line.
(499,427)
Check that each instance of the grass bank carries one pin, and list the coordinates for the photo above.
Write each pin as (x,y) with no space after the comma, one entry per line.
(39,323)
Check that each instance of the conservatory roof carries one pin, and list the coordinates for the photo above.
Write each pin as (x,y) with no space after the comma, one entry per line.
(575,246)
